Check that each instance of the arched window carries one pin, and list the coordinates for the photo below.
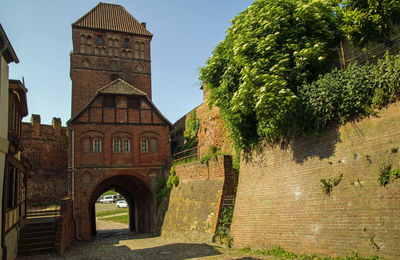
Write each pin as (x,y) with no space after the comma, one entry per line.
(116,47)
(144,144)
(153,145)
(137,55)
(123,54)
(85,44)
(82,46)
(97,145)
(86,145)
(126,43)
(89,44)
(126,145)
(116,145)
(110,46)
(142,50)
(100,40)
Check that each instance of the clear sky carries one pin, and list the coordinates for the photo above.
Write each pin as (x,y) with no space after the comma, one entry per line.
(184,34)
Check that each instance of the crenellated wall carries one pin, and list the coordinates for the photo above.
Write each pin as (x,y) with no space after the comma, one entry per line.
(280,199)
(46,147)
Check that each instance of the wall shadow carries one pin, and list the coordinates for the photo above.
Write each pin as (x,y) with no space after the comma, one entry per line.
(322,146)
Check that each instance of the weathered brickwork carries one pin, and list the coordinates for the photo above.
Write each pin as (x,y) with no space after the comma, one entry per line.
(46,146)
(212,130)
(118,139)
(194,205)
(91,71)
(280,200)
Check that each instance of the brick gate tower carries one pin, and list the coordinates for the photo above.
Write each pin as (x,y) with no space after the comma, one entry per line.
(118,138)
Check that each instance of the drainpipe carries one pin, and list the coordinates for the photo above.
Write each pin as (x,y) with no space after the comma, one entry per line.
(73,180)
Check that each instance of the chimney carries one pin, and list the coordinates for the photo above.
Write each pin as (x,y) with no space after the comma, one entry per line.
(35,122)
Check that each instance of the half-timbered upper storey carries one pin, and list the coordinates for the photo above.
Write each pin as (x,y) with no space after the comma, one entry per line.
(120,103)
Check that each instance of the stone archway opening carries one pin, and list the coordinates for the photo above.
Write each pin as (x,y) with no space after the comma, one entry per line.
(112,210)
(138,196)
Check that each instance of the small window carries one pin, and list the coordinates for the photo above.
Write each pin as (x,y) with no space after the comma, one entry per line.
(153,145)
(117,145)
(97,145)
(100,40)
(126,43)
(142,50)
(144,145)
(126,148)
(133,102)
(136,50)
(86,145)
(108,101)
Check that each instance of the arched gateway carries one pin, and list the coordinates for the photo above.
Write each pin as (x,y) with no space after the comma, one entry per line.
(117,137)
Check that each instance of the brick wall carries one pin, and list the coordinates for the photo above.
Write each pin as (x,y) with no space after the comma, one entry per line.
(46,147)
(212,130)
(194,205)
(280,200)
(90,71)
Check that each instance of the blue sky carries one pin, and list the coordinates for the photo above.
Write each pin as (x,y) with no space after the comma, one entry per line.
(185,33)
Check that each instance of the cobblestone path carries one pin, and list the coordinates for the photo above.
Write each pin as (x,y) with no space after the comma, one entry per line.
(122,244)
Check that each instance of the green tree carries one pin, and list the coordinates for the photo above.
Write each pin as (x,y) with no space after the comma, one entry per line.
(365,21)
(271,48)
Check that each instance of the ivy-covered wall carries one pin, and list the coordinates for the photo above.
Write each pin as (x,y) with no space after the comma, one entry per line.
(325,195)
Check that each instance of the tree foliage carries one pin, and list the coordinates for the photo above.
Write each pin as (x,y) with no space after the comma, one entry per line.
(368,20)
(271,48)
(261,74)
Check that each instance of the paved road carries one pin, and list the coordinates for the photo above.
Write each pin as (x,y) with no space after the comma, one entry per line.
(122,244)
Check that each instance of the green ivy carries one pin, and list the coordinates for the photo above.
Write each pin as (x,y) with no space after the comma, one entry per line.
(173,179)
(192,128)
(160,189)
(388,175)
(263,75)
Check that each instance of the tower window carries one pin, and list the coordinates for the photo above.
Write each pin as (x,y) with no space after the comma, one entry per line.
(142,50)
(100,40)
(126,43)
(85,44)
(108,101)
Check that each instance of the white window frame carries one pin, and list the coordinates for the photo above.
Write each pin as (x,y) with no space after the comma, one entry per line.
(126,145)
(144,145)
(97,145)
(116,145)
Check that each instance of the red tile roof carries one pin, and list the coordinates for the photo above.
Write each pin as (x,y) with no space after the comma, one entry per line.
(113,18)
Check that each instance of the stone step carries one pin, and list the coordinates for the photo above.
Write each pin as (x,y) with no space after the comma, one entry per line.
(37,234)
(36,244)
(36,251)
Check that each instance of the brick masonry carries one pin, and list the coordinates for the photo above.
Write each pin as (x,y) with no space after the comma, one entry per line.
(280,201)
(46,146)
(194,205)
(90,71)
